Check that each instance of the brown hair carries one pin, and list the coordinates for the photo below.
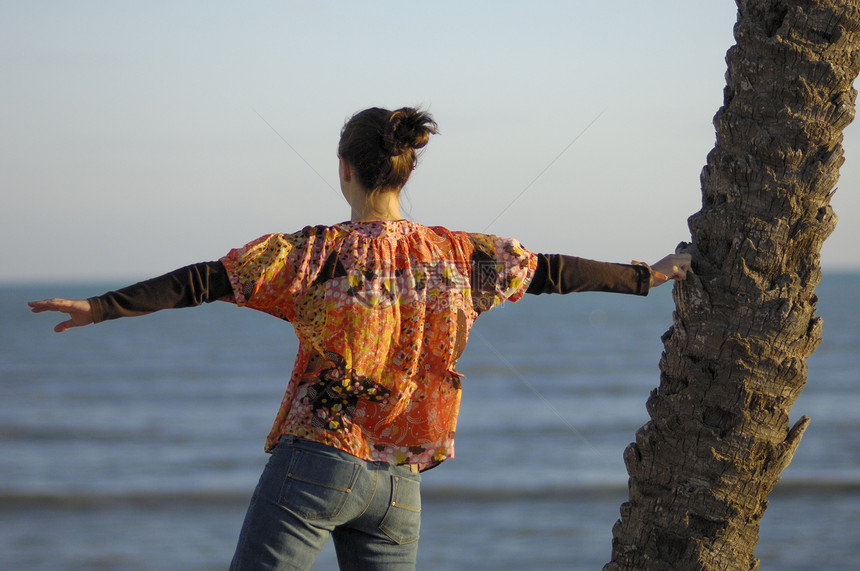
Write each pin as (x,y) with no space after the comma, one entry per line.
(381,145)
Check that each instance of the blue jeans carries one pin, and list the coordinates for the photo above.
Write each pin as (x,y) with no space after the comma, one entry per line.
(308,491)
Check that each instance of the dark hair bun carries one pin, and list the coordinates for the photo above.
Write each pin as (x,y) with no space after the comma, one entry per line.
(383,145)
(408,129)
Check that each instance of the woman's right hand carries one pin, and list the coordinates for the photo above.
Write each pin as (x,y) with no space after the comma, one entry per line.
(672,267)
(79,311)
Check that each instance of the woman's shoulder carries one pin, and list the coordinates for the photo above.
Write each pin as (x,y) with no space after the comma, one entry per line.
(319,229)
(459,235)
(311,233)
(472,237)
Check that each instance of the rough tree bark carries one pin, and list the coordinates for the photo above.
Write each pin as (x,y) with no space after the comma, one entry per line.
(734,361)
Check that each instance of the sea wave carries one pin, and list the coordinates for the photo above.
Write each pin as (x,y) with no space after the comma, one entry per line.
(15,500)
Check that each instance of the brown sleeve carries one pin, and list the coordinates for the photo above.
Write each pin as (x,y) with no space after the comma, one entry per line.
(557,273)
(185,287)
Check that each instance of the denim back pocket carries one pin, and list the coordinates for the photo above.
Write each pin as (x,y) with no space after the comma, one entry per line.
(403,518)
(317,485)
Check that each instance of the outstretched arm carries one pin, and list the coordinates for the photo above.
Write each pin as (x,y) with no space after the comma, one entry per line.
(558,273)
(185,287)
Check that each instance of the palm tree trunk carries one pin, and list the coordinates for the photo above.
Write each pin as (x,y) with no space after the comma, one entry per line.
(734,361)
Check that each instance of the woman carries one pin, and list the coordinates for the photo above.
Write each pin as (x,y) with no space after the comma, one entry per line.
(382,308)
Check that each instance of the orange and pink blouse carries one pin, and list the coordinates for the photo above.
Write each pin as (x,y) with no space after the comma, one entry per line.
(382,311)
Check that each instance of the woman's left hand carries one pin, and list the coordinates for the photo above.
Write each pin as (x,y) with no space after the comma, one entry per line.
(79,311)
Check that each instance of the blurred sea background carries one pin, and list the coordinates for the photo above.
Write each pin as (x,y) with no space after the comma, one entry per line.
(135,444)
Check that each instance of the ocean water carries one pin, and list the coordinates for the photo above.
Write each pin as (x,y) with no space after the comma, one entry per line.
(135,444)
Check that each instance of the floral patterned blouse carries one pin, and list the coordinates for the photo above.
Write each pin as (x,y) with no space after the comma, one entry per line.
(382,311)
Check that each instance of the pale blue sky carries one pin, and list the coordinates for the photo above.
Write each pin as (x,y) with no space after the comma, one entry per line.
(131,143)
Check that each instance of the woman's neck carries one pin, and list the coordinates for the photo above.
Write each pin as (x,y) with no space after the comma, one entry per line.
(376,207)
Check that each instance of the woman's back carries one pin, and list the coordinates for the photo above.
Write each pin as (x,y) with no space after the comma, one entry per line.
(382,311)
